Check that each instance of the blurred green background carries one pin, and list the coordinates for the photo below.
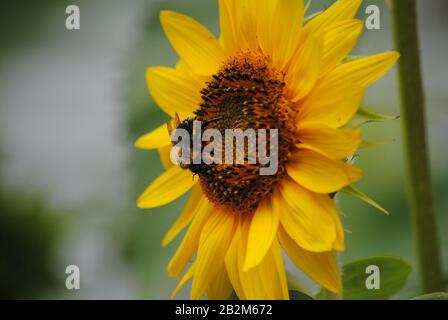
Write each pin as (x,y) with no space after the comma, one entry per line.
(73,102)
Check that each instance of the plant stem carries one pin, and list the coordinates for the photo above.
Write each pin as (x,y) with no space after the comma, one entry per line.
(415,144)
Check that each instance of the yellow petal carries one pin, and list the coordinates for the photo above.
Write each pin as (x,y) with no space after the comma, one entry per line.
(193,43)
(339,11)
(267,280)
(232,262)
(158,138)
(327,205)
(319,266)
(198,81)
(334,143)
(220,288)
(246,23)
(169,186)
(305,67)
(321,174)
(304,218)
(173,91)
(186,216)
(363,71)
(287,29)
(227,26)
(340,39)
(214,242)
(165,156)
(266,39)
(339,243)
(333,102)
(263,229)
(187,276)
(190,242)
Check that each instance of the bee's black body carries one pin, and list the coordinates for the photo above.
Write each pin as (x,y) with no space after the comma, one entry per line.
(196,168)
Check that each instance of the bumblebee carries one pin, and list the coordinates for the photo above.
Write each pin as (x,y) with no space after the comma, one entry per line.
(187,124)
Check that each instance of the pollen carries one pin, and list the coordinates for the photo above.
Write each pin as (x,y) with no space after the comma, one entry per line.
(245,93)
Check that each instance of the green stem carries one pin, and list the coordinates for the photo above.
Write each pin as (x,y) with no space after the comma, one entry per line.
(415,143)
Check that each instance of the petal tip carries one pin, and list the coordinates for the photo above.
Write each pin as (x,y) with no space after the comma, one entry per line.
(166,14)
(141,203)
(139,144)
(165,241)
(149,72)
(392,56)
(396,55)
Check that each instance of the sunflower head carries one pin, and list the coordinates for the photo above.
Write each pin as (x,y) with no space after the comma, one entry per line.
(268,70)
(245,93)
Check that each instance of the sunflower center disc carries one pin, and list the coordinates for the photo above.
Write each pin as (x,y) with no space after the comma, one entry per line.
(246,93)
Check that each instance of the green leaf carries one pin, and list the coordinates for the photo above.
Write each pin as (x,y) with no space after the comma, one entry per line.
(433,296)
(364,115)
(393,274)
(364,112)
(296,295)
(361,195)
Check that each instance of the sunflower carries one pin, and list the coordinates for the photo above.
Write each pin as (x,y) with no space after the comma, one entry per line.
(270,68)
